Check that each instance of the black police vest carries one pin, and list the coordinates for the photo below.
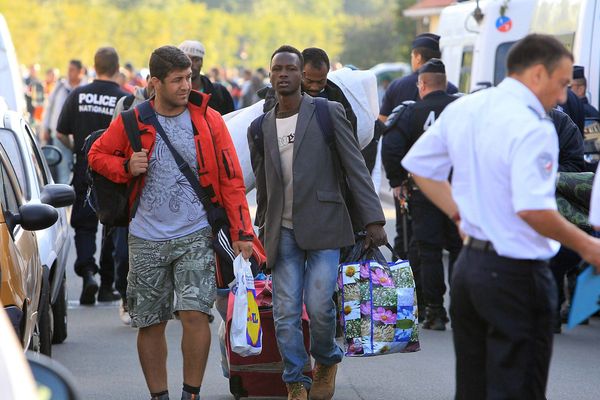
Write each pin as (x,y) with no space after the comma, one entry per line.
(425,112)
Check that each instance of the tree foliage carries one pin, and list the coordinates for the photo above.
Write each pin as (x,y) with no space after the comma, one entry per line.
(234,32)
(385,34)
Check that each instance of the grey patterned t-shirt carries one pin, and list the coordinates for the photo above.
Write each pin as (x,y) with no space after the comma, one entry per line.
(169,208)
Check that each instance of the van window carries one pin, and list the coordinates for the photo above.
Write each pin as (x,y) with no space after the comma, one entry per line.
(464,83)
(500,61)
(568,39)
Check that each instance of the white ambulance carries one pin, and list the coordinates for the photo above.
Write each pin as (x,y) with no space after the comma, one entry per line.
(476,36)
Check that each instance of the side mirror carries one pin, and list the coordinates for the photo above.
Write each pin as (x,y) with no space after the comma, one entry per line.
(34,217)
(52,155)
(54,381)
(57,195)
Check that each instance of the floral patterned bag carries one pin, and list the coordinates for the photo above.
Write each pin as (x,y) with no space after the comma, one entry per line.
(378,305)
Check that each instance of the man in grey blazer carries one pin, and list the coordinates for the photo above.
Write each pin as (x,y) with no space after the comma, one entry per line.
(305,220)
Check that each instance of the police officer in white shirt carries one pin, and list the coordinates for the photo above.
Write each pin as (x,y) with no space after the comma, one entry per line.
(503,150)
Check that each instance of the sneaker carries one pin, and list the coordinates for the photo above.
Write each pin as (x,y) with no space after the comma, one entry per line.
(107,293)
(88,292)
(296,391)
(435,319)
(323,386)
(124,313)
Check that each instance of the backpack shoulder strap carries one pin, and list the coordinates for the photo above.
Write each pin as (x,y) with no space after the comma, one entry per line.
(257,134)
(324,121)
(145,111)
(326,125)
(132,129)
(128,101)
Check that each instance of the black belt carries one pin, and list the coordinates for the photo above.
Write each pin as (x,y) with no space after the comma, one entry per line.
(483,245)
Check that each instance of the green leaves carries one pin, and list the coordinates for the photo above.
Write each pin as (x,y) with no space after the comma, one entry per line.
(53,32)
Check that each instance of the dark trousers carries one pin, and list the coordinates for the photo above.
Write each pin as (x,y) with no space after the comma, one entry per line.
(84,222)
(114,258)
(433,232)
(403,232)
(502,312)
(406,248)
(563,262)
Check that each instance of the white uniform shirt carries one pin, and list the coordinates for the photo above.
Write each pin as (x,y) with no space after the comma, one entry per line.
(504,151)
(595,201)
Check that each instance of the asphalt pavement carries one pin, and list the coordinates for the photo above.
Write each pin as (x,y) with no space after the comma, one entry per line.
(101,354)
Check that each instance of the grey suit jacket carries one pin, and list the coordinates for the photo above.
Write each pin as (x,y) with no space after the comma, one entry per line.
(320,216)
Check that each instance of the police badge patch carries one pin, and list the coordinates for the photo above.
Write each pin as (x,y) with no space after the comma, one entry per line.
(544,163)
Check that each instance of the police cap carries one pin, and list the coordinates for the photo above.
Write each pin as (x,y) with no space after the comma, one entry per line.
(578,72)
(428,40)
(434,65)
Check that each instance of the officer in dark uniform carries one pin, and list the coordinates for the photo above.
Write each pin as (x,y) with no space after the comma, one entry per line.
(424,47)
(573,107)
(432,229)
(87,109)
(579,87)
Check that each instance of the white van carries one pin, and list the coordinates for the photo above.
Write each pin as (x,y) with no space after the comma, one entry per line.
(11,84)
(577,24)
(474,42)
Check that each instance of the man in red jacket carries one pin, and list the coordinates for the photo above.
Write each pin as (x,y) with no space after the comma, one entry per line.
(169,235)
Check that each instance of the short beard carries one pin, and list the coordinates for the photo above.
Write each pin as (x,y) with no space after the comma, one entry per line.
(288,91)
(172,103)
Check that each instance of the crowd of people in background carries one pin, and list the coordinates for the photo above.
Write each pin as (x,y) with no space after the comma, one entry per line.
(241,84)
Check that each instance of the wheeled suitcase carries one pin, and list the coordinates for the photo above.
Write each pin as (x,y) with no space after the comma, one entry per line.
(261,375)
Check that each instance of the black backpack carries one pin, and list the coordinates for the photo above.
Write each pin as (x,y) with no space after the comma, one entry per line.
(108,199)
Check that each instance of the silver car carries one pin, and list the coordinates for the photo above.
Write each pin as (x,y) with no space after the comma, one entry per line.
(37,186)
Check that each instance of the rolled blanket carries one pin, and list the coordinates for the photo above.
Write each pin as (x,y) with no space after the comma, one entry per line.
(573,193)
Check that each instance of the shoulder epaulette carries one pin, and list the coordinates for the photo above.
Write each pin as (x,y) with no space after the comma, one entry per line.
(397,112)
(543,116)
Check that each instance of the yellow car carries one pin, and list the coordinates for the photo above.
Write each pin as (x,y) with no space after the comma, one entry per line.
(24,289)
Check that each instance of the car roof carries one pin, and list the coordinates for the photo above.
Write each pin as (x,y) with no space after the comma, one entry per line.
(391,67)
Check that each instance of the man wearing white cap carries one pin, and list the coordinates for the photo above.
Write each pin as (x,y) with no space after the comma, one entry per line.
(220,99)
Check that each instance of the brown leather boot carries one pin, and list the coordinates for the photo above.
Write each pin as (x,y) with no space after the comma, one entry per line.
(296,391)
(323,386)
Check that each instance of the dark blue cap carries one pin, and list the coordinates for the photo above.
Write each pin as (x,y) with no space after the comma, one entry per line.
(578,72)
(428,40)
(434,65)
